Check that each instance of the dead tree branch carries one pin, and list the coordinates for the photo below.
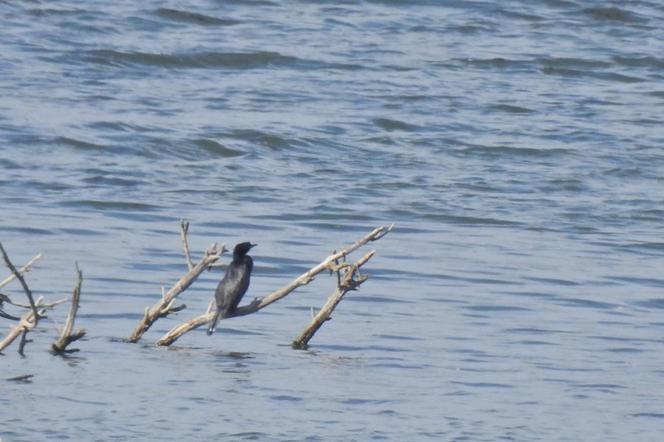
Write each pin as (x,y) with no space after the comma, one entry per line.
(67,337)
(260,303)
(184,230)
(26,268)
(45,305)
(22,281)
(26,324)
(350,280)
(165,306)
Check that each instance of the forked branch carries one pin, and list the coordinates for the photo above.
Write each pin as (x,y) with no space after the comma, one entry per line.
(26,268)
(26,324)
(165,306)
(350,280)
(67,337)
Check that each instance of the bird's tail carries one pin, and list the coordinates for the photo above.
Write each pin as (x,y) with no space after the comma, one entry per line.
(213,324)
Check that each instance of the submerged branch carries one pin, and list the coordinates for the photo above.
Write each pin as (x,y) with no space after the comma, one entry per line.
(67,337)
(26,324)
(164,306)
(347,282)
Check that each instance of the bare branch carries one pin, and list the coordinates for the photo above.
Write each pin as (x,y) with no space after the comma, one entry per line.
(260,303)
(164,306)
(184,230)
(67,337)
(347,283)
(46,306)
(26,324)
(26,268)
(22,281)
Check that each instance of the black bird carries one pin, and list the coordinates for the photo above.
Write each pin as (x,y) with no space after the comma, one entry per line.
(234,285)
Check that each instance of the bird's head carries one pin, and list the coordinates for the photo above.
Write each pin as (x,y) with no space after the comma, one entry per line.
(242,248)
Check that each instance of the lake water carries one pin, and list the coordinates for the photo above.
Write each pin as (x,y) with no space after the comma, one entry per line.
(518,147)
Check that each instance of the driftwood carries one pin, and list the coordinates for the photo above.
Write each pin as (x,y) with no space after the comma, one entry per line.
(350,280)
(26,324)
(67,337)
(26,268)
(165,306)
(18,276)
(260,303)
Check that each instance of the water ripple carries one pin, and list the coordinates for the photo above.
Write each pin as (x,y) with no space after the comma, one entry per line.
(188,17)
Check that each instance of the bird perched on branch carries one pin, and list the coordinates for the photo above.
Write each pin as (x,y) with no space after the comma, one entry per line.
(234,285)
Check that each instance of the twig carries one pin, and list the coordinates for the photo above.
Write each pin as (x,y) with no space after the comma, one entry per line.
(260,303)
(67,337)
(165,305)
(22,281)
(46,306)
(26,268)
(184,230)
(347,283)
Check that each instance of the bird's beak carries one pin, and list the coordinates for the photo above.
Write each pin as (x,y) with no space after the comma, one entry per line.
(251,246)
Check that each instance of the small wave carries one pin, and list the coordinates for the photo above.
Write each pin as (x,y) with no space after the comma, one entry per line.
(608,388)
(111,205)
(193,17)
(651,415)
(106,180)
(553,281)
(606,76)
(648,282)
(9,164)
(216,148)
(399,337)
(483,384)
(654,303)
(469,220)
(286,398)
(498,151)
(496,63)
(496,308)
(262,138)
(47,12)
(232,60)
(586,303)
(78,144)
(573,63)
(613,14)
(511,109)
(636,61)
(82,232)
(28,230)
(394,125)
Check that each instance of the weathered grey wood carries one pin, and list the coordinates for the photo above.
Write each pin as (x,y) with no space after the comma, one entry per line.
(27,323)
(67,337)
(348,282)
(260,303)
(184,230)
(165,306)
(26,268)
